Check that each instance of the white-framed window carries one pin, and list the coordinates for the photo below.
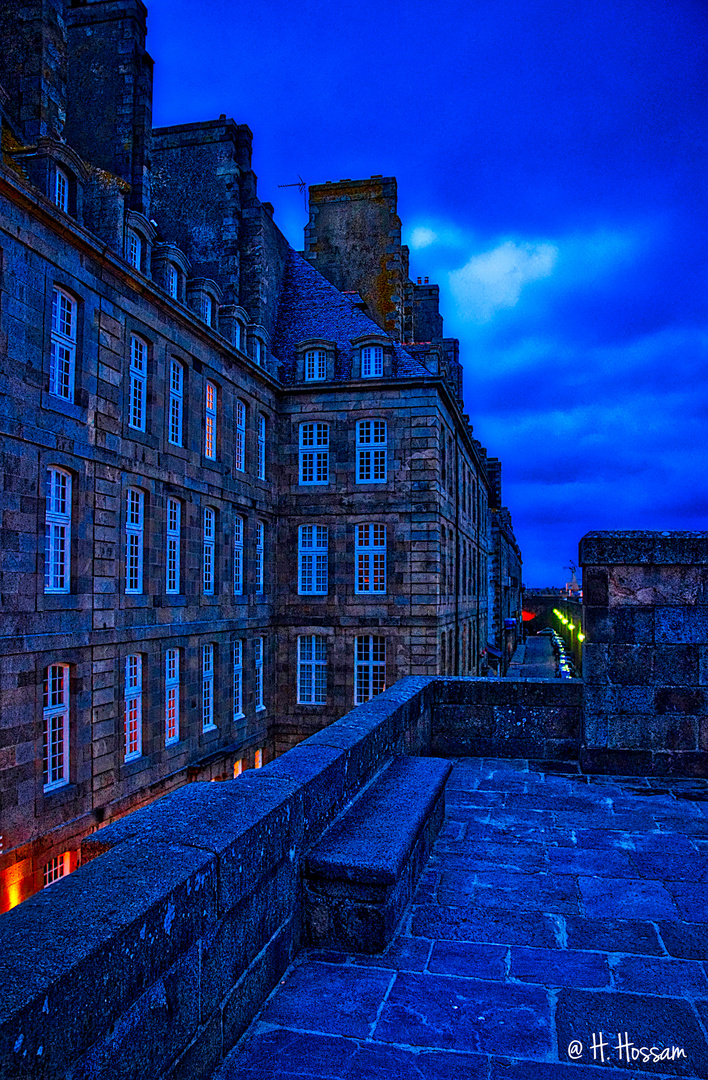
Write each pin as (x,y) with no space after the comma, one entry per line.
(56,726)
(260,556)
(206,308)
(258,758)
(208,687)
(312,670)
(56,868)
(372,362)
(315,365)
(133,717)
(313,543)
(174,531)
(172,281)
(62,365)
(138,383)
(134,248)
(258,665)
(238,680)
(314,453)
(369,668)
(261,446)
(57,532)
(174,434)
(209,541)
(134,528)
(370,555)
(171,696)
(238,556)
(238,767)
(210,421)
(371,452)
(240,440)
(61,190)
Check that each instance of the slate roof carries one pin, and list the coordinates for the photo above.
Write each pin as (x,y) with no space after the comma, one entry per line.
(310,307)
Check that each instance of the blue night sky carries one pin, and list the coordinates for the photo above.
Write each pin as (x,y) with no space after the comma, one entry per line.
(551,171)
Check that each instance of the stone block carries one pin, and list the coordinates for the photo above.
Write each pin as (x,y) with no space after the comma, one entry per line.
(625,625)
(686,700)
(255,985)
(681,625)
(595,663)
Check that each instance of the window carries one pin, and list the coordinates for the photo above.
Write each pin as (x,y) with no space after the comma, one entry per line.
(370,559)
(57,532)
(56,726)
(206,308)
(261,446)
(312,559)
(134,249)
(312,670)
(258,351)
(238,768)
(209,538)
(208,687)
(172,281)
(314,453)
(210,421)
(315,365)
(372,362)
(176,402)
(133,724)
(238,556)
(238,680)
(171,696)
(63,346)
(371,451)
(61,190)
(260,553)
(240,442)
(134,541)
(56,868)
(258,758)
(238,335)
(138,378)
(369,668)
(258,662)
(174,519)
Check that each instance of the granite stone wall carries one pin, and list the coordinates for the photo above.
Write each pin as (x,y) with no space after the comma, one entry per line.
(646,653)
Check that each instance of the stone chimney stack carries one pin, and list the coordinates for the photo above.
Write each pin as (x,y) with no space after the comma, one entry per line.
(33,67)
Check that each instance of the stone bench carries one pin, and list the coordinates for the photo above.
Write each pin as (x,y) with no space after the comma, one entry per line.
(361,875)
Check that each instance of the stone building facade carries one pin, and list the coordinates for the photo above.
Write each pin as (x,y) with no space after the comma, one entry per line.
(240,493)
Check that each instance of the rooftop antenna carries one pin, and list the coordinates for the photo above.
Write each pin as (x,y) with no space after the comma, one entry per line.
(302,186)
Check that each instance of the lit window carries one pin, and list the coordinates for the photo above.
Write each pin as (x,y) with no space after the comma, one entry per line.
(258,758)
(238,556)
(176,402)
(134,524)
(370,559)
(57,532)
(206,308)
(238,768)
(258,663)
(238,680)
(369,668)
(371,451)
(312,559)
(372,362)
(56,726)
(138,380)
(210,421)
(133,723)
(315,365)
(56,868)
(312,670)
(174,517)
(260,555)
(209,539)
(261,446)
(172,281)
(207,687)
(61,190)
(171,696)
(240,442)
(63,346)
(134,249)
(314,453)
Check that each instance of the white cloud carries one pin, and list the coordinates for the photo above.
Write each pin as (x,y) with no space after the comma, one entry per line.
(494,279)
(422,237)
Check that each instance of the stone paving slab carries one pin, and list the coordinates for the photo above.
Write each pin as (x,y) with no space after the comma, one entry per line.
(560,930)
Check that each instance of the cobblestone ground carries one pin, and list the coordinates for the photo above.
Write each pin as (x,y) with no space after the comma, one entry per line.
(556,911)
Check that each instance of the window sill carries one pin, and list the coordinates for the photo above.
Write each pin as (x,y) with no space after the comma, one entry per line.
(142,437)
(58,602)
(66,408)
(239,716)
(260,708)
(209,730)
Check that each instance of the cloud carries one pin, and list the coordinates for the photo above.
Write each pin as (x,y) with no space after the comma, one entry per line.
(494,279)
(421,237)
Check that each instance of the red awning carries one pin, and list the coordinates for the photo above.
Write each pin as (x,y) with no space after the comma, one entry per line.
(527,616)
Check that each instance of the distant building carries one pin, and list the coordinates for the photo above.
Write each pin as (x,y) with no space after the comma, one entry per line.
(240,494)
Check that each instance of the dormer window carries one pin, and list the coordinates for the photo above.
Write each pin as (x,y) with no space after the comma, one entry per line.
(204,298)
(207,308)
(173,281)
(315,365)
(372,362)
(61,190)
(134,248)
(258,351)
(315,360)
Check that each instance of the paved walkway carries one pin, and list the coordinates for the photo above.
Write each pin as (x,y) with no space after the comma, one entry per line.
(555,909)
(534,659)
